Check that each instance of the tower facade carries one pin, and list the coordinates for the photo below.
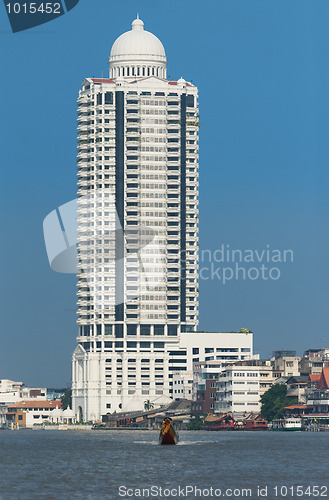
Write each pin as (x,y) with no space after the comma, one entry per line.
(137,229)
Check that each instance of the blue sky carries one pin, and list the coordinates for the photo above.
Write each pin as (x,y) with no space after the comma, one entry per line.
(263,77)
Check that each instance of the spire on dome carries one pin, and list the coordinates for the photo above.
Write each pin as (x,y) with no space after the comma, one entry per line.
(137,24)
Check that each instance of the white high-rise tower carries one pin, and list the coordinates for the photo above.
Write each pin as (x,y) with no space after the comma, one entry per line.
(137,229)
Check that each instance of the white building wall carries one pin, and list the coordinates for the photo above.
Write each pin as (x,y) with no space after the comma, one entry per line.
(101,381)
(238,390)
(7,385)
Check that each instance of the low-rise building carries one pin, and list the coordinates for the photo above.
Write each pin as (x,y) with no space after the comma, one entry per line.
(7,385)
(29,413)
(205,378)
(319,398)
(285,363)
(238,390)
(297,387)
(204,349)
(182,385)
(313,360)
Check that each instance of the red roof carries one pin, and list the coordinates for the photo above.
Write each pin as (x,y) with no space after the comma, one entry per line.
(22,405)
(315,377)
(102,80)
(324,379)
(175,83)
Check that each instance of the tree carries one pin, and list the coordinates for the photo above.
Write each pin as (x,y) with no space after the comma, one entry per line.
(67,399)
(196,424)
(274,400)
(148,405)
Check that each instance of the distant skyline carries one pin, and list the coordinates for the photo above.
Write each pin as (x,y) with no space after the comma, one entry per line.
(262,73)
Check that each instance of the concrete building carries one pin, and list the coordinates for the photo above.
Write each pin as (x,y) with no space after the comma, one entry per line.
(205,380)
(318,398)
(238,390)
(208,375)
(7,385)
(13,392)
(205,349)
(30,413)
(313,361)
(137,228)
(297,387)
(285,363)
(182,385)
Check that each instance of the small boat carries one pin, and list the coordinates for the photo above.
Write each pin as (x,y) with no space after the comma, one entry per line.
(287,424)
(168,433)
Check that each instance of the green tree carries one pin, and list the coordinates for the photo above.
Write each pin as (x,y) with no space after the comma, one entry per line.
(196,424)
(67,399)
(274,400)
(148,405)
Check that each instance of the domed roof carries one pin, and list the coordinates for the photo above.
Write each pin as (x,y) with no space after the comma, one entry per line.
(68,413)
(137,45)
(56,412)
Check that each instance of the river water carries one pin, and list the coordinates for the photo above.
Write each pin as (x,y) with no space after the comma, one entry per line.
(101,465)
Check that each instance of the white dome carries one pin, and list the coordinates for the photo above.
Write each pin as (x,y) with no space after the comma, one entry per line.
(68,413)
(56,412)
(135,49)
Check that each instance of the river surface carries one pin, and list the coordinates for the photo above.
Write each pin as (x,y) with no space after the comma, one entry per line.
(93,465)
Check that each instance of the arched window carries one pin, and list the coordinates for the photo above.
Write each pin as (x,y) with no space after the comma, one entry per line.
(143,70)
(127,70)
(123,72)
(148,71)
(133,71)
(153,71)
(137,70)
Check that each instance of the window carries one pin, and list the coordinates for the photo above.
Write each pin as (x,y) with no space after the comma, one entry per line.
(131,345)
(158,329)
(172,330)
(145,330)
(190,101)
(108,97)
(131,329)
(107,329)
(99,99)
(108,405)
(119,331)
(195,350)
(159,345)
